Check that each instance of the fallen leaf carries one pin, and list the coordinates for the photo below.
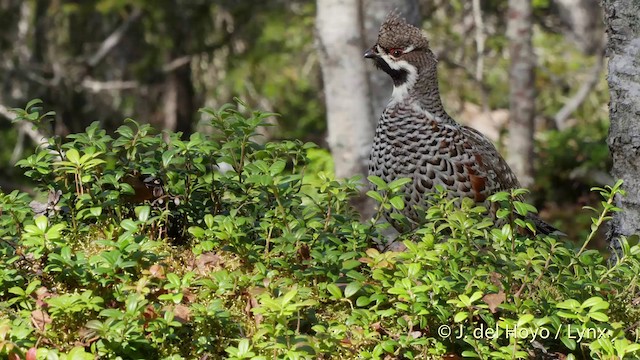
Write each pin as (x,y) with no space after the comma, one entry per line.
(189,296)
(182,313)
(40,319)
(206,262)
(41,294)
(494,300)
(150,313)
(157,271)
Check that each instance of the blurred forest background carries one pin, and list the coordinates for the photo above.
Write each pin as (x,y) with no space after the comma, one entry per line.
(158,61)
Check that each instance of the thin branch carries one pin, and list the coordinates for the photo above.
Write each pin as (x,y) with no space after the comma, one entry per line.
(18,149)
(4,111)
(98,86)
(581,95)
(176,63)
(112,40)
(186,59)
(24,127)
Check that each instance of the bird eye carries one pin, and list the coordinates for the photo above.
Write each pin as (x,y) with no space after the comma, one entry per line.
(396,52)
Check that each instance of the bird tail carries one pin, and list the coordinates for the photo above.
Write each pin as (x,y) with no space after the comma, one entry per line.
(543,227)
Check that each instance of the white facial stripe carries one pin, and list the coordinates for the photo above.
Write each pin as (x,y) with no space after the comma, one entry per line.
(401,92)
(409,48)
(391,61)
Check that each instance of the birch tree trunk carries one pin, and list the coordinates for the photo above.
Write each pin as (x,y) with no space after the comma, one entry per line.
(345,85)
(521,91)
(623,30)
(355,92)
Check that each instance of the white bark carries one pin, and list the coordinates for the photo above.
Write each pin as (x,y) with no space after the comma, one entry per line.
(521,90)
(346,87)
(623,29)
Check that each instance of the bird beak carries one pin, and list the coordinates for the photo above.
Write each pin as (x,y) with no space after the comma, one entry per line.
(370,54)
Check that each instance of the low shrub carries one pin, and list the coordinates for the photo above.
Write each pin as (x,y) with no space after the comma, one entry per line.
(150,246)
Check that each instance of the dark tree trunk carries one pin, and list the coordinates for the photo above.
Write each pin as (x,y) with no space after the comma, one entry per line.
(623,28)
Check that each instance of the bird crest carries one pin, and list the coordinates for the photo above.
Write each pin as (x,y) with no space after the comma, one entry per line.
(395,32)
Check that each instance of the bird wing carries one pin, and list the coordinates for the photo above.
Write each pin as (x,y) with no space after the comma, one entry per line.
(490,162)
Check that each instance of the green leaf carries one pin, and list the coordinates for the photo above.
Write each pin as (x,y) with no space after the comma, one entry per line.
(174,280)
(167,156)
(334,290)
(42,223)
(95,211)
(142,212)
(470,354)
(73,156)
(350,264)
(375,196)
(196,231)
(129,225)
(17,291)
(598,316)
(277,167)
(592,301)
(243,346)
(475,296)
(524,319)
(397,202)
(499,196)
(461,316)
(363,301)
(569,304)
(388,346)
(569,343)
(378,182)
(465,300)
(289,296)
(395,185)
(32,103)
(502,213)
(352,288)
(209,220)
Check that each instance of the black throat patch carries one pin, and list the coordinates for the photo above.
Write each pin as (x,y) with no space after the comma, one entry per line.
(399,77)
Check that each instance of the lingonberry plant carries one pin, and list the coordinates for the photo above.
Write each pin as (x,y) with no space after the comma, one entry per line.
(221,247)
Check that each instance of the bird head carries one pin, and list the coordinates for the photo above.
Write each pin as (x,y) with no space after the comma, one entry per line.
(402,51)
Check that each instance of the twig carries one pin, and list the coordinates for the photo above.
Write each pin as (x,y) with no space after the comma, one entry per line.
(186,59)
(4,111)
(112,40)
(570,106)
(18,149)
(176,63)
(97,86)
(25,127)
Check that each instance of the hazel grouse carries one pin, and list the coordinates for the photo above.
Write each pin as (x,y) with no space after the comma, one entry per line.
(417,139)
